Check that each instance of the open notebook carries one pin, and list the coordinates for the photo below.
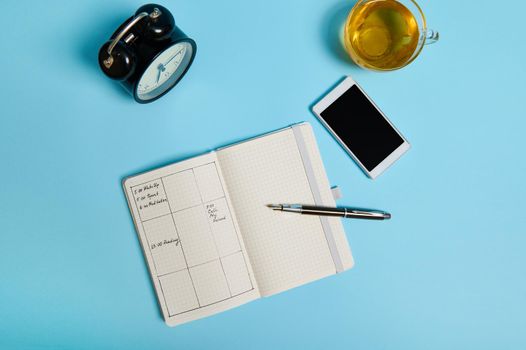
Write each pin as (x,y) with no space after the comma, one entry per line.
(210,241)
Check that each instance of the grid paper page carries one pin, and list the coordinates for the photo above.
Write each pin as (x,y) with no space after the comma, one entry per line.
(191,240)
(286,250)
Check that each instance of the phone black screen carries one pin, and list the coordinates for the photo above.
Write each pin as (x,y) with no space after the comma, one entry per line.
(362,127)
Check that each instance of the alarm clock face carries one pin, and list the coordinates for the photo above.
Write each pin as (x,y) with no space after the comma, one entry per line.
(164,71)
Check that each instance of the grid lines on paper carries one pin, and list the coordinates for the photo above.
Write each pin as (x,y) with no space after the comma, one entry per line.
(192,239)
(285,249)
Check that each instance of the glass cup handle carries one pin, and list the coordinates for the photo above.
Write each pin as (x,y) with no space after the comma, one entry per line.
(432,36)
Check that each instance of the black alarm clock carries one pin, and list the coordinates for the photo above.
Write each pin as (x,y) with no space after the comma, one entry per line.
(148,53)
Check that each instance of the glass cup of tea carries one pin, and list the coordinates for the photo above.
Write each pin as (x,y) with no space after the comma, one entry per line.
(384,35)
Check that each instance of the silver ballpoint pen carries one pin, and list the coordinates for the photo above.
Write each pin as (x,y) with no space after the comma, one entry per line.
(328,211)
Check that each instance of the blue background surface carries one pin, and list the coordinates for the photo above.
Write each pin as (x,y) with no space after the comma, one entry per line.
(447,272)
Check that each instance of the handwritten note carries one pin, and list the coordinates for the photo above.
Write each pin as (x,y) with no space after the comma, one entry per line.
(214,213)
(165,242)
(151,199)
(222,227)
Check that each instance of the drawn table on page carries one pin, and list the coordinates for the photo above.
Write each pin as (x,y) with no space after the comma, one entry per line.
(193,241)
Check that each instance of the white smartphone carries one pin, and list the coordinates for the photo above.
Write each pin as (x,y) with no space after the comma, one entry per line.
(359,126)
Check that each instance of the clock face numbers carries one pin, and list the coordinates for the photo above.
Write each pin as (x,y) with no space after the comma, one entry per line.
(164,71)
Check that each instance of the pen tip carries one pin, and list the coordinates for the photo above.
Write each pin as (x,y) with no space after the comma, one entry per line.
(387,216)
(274,206)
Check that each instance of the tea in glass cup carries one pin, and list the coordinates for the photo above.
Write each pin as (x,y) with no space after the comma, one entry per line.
(386,34)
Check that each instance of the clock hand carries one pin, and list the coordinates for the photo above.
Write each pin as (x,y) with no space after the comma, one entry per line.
(178,52)
(159,74)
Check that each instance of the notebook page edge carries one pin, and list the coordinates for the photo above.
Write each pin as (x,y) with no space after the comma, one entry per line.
(324,186)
